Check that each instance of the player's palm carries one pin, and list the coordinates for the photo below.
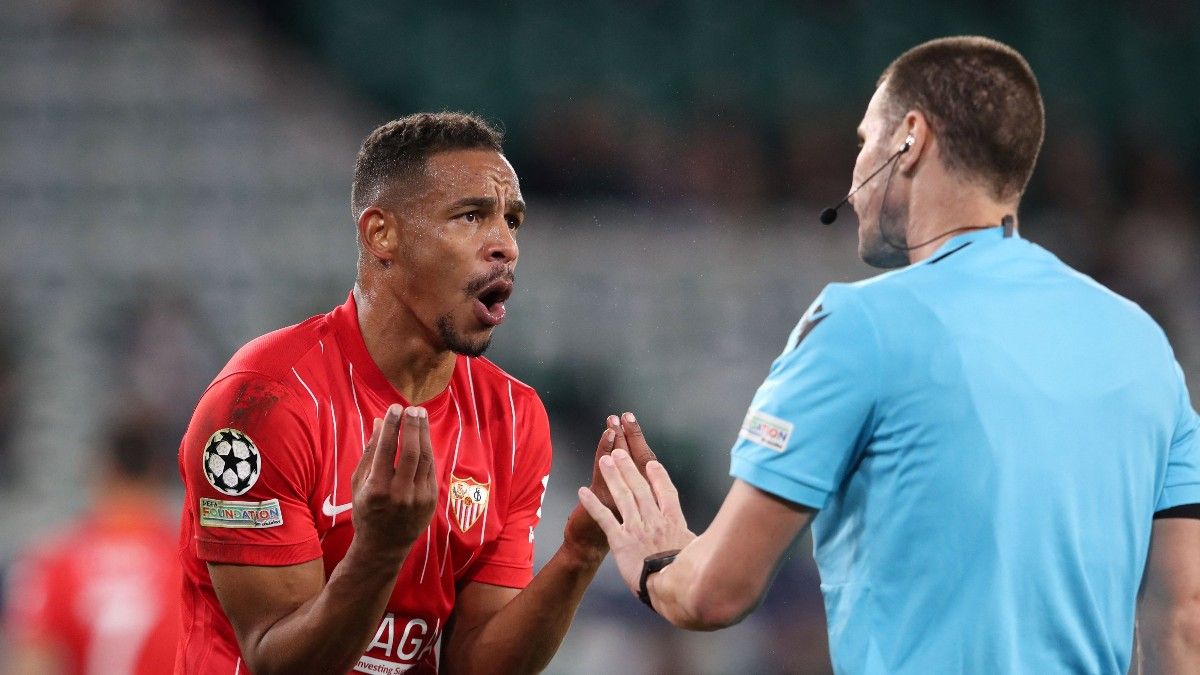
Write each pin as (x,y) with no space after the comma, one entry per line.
(395,484)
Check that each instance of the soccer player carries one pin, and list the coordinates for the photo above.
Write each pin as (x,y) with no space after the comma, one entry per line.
(363,487)
(102,596)
(993,450)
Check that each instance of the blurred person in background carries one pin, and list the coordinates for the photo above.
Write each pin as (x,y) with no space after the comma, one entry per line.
(993,450)
(101,597)
(329,522)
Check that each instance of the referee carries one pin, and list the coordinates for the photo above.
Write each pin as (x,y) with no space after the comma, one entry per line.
(994,451)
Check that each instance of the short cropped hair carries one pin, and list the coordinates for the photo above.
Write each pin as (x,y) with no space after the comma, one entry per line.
(983,102)
(135,447)
(398,150)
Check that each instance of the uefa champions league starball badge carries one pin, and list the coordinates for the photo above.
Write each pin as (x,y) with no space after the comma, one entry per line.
(231,462)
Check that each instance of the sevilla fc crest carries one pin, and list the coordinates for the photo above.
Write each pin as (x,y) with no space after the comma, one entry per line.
(468,500)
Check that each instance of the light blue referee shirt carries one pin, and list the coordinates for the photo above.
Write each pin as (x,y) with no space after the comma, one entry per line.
(987,436)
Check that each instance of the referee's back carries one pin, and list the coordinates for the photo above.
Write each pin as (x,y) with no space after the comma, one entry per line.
(1019,448)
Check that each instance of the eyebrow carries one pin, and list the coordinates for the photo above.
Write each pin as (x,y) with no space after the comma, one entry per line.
(488,204)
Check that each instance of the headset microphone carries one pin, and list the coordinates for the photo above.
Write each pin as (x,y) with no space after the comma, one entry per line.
(830,214)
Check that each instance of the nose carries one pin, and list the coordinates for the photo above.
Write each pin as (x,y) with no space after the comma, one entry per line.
(502,245)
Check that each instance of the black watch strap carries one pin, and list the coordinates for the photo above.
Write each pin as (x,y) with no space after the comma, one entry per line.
(650,565)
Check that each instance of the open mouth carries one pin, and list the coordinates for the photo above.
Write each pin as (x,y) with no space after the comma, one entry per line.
(489,302)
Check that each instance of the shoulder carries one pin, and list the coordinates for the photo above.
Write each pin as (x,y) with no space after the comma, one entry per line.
(258,392)
(488,375)
(510,394)
(274,355)
(260,374)
(844,307)
(885,287)
(1121,304)
(1112,311)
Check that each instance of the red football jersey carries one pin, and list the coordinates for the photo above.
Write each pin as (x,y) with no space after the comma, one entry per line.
(104,595)
(267,463)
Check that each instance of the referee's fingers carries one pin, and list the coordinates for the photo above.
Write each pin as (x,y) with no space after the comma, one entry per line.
(666,493)
(626,503)
(636,483)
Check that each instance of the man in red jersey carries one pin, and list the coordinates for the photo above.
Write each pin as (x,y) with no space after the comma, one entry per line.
(102,597)
(363,487)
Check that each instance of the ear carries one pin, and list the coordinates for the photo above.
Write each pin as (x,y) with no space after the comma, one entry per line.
(378,231)
(914,126)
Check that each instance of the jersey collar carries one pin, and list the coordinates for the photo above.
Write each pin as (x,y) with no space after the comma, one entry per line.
(990,235)
(344,320)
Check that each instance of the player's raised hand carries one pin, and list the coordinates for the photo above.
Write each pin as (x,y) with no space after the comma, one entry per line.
(631,439)
(582,531)
(651,519)
(621,432)
(395,485)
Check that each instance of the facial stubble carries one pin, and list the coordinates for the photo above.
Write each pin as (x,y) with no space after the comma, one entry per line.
(885,245)
(457,342)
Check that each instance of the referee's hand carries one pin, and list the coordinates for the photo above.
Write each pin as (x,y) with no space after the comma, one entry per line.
(651,520)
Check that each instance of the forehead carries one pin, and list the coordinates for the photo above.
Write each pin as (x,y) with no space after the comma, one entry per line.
(471,171)
(876,109)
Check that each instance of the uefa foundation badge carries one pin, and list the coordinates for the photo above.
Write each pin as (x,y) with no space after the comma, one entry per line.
(231,462)
(468,500)
(766,430)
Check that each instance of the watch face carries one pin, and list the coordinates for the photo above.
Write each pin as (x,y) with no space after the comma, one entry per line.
(658,561)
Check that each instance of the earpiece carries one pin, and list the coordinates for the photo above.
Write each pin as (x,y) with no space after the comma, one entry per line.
(908,142)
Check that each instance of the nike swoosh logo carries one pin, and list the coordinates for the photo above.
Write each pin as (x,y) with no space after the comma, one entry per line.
(330,510)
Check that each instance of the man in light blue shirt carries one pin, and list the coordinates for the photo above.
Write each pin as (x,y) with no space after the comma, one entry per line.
(993,450)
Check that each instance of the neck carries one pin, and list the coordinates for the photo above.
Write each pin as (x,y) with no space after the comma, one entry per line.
(402,348)
(937,215)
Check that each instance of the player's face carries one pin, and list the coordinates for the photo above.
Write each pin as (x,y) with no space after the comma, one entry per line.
(458,248)
(878,205)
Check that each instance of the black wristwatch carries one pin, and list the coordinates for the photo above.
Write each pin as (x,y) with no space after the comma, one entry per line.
(652,564)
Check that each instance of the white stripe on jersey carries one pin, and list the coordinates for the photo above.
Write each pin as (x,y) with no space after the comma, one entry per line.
(362,426)
(483,529)
(474,405)
(453,466)
(468,563)
(428,536)
(513,407)
(314,398)
(333,417)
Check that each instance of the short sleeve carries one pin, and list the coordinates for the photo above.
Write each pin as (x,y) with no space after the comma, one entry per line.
(508,560)
(247,462)
(811,417)
(1182,484)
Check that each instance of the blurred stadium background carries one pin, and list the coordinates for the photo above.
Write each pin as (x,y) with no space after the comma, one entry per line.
(174,178)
